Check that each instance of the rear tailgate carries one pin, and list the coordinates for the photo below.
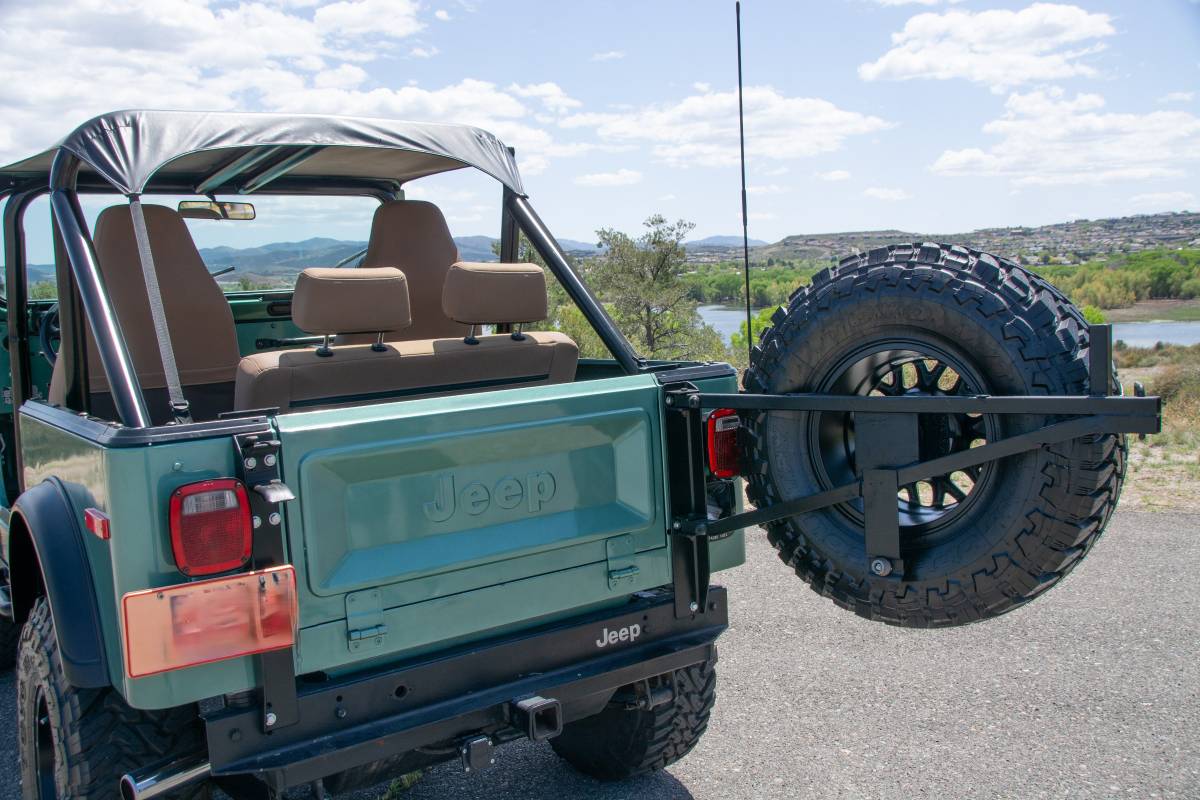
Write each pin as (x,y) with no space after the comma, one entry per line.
(426,521)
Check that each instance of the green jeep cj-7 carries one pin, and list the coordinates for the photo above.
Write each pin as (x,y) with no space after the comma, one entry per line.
(326,535)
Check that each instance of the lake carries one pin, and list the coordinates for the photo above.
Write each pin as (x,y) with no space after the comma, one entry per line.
(729,319)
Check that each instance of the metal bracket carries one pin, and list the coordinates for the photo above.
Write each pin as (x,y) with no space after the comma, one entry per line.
(258,468)
(622,560)
(690,569)
(364,621)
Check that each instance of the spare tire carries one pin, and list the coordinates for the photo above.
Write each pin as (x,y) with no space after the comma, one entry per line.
(927,319)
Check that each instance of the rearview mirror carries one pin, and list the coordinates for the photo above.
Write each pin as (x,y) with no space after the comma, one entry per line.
(206,209)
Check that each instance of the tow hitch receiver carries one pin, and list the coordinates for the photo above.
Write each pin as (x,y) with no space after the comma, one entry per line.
(538,718)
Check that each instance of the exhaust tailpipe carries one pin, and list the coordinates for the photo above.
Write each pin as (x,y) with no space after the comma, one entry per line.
(158,782)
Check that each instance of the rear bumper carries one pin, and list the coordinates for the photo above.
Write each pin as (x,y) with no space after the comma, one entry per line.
(355,721)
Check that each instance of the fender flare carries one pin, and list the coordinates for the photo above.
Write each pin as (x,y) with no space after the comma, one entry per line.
(57,541)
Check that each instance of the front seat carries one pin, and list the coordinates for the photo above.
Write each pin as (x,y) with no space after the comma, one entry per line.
(198,316)
(412,236)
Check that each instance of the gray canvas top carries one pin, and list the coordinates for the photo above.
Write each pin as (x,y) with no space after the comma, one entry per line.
(130,149)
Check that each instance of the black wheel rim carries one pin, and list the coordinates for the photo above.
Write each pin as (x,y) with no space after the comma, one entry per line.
(44,744)
(912,367)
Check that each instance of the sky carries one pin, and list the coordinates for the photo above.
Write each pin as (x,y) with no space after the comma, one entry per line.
(933,116)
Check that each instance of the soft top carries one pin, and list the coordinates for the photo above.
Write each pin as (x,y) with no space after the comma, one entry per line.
(132,149)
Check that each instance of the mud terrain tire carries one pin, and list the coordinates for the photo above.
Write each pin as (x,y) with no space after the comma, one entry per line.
(81,741)
(1023,523)
(622,743)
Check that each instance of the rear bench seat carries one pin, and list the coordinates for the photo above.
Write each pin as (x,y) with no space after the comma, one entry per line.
(328,302)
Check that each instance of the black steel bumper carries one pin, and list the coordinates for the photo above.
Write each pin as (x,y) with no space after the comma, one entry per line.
(446,698)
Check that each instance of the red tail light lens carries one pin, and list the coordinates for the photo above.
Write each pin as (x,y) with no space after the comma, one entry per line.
(724,457)
(210,527)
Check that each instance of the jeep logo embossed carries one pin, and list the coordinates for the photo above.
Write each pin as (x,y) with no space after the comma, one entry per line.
(475,498)
(626,634)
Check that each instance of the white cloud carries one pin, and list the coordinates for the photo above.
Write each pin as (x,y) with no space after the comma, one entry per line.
(1177,97)
(913,2)
(702,129)
(551,95)
(834,175)
(999,48)
(279,57)
(424,51)
(1046,138)
(442,15)
(1165,201)
(344,76)
(666,198)
(622,177)
(769,188)
(608,55)
(391,18)
(887,194)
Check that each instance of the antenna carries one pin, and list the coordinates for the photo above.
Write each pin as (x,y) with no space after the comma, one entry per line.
(737,10)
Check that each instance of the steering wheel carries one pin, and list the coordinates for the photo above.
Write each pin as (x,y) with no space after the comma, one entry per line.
(50,334)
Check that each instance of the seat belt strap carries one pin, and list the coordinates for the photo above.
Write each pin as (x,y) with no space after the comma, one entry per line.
(179,404)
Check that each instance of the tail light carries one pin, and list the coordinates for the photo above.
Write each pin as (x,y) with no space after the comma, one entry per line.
(205,621)
(724,457)
(210,527)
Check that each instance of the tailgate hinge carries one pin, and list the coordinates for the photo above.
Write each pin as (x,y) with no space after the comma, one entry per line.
(622,560)
(364,621)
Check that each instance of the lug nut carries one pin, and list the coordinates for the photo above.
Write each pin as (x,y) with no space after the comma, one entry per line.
(269,459)
(881,567)
(694,607)
(251,462)
(274,519)
(271,719)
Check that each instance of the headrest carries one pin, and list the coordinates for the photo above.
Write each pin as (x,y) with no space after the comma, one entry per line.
(328,301)
(479,294)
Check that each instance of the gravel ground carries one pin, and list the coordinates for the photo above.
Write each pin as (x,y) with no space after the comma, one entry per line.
(1091,692)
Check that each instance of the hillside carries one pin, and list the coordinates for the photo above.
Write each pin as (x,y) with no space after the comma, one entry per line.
(1068,241)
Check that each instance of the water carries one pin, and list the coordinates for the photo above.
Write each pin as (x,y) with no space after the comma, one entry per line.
(1147,334)
(729,319)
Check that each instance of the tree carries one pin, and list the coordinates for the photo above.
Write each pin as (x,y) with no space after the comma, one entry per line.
(640,280)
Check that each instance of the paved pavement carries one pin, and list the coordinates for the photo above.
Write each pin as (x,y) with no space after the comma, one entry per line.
(1091,692)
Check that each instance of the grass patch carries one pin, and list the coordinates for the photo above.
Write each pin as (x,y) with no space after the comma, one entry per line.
(1164,469)
(1156,310)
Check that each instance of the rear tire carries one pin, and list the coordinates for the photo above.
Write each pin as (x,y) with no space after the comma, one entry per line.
(1022,523)
(77,743)
(618,743)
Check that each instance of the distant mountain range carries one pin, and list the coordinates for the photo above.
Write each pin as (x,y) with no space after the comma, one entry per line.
(1068,241)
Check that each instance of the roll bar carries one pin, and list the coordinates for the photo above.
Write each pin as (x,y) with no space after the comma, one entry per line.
(106,329)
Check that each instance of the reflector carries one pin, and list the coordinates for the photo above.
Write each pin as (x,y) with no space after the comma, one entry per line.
(206,621)
(723,454)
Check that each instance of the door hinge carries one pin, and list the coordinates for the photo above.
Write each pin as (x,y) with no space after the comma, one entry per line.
(364,621)
(622,560)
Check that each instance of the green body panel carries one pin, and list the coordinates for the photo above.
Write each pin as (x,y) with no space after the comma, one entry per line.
(132,485)
(573,476)
(472,512)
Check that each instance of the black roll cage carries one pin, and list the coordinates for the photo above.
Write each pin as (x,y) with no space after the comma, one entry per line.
(92,303)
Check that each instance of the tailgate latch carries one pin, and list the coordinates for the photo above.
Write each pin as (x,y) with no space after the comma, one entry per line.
(364,621)
(622,560)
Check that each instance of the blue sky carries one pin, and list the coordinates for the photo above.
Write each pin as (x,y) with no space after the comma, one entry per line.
(927,115)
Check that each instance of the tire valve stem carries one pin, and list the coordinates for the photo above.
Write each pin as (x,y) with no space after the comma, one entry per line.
(881,567)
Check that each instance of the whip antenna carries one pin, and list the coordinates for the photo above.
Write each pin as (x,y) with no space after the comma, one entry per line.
(737,10)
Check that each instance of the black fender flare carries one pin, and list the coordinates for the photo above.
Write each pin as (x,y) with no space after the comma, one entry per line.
(53,531)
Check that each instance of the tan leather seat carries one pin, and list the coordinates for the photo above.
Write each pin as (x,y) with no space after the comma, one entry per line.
(198,315)
(412,236)
(376,301)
